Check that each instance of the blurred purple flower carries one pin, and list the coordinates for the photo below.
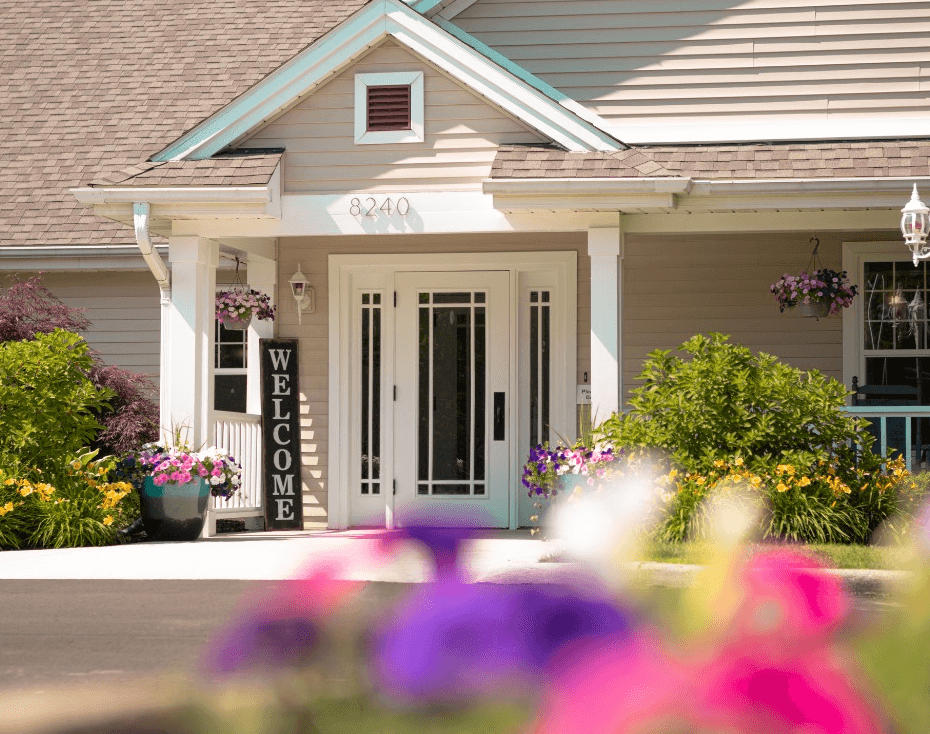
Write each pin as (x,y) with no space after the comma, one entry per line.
(453,640)
(263,641)
(552,617)
(448,641)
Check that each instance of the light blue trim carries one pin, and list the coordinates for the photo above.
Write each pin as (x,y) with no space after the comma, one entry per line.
(889,411)
(424,6)
(502,61)
(344,43)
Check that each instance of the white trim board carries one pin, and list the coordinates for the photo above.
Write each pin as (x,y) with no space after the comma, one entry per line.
(353,38)
(347,273)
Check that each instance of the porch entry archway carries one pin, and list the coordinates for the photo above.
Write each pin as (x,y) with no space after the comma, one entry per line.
(434,401)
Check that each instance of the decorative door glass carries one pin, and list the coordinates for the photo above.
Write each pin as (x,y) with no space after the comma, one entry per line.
(452,390)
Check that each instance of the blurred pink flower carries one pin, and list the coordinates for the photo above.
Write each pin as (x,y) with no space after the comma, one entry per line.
(617,686)
(789,595)
(748,689)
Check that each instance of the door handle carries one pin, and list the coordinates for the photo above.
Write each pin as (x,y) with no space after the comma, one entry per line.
(499,416)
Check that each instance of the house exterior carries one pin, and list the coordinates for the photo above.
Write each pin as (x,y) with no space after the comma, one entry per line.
(499,204)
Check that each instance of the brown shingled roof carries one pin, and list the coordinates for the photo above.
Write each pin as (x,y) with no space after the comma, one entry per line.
(94,87)
(861,159)
(252,170)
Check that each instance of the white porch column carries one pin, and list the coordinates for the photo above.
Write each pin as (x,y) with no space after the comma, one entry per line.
(189,351)
(263,276)
(605,246)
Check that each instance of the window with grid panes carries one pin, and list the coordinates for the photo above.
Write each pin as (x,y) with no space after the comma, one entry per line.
(230,369)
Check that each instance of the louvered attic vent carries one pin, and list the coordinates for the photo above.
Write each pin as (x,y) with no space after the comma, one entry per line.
(389,108)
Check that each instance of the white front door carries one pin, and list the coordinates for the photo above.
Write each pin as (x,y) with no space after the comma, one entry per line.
(451,416)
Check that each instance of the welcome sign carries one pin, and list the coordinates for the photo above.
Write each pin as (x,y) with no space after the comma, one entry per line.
(281,434)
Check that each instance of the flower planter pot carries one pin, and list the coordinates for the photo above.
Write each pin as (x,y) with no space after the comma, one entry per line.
(816,310)
(235,323)
(174,511)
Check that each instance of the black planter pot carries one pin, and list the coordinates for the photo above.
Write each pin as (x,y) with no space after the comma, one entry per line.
(174,511)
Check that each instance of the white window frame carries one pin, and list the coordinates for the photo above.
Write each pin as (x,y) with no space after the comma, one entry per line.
(855,255)
(401,78)
(217,370)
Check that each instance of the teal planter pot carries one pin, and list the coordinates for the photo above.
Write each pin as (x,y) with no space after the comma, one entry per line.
(174,511)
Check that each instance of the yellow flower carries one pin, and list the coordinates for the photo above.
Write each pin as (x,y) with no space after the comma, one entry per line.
(701,480)
(26,491)
(803,481)
(8,482)
(738,462)
(75,464)
(755,481)
(782,487)
(720,462)
(108,520)
(673,473)
(8,507)
(781,468)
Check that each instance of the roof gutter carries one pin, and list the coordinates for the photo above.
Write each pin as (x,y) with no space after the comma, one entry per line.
(140,219)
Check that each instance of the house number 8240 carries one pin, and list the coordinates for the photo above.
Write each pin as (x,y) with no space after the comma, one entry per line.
(369,207)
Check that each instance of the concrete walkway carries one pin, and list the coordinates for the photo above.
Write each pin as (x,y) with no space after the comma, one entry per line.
(496,556)
(277,556)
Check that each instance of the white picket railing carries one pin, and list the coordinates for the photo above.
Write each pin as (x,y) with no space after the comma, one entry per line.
(241,435)
(898,427)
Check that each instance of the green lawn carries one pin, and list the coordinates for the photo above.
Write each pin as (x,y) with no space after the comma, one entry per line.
(838,556)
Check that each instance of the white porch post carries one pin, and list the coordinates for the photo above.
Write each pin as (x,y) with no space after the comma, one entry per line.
(189,351)
(605,246)
(263,276)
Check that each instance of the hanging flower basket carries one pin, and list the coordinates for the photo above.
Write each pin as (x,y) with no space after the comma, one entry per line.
(236,307)
(823,292)
(814,310)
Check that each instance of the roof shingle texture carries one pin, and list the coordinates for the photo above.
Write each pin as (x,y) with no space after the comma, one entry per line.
(233,171)
(94,87)
(835,159)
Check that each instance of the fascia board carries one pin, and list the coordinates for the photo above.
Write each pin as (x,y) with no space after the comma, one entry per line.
(243,195)
(807,185)
(350,40)
(586,186)
(75,257)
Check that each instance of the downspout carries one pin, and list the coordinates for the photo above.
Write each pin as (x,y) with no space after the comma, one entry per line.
(140,219)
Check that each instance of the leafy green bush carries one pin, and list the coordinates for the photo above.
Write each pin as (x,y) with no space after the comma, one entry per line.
(727,416)
(47,402)
(726,402)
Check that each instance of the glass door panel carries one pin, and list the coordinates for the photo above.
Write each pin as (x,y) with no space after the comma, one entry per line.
(452,359)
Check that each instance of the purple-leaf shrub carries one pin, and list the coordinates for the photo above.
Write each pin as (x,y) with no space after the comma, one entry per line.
(29,308)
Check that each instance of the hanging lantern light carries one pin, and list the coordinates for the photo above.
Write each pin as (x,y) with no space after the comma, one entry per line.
(914,223)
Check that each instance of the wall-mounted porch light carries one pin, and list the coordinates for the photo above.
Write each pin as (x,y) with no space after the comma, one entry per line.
(914,224)
(304,295)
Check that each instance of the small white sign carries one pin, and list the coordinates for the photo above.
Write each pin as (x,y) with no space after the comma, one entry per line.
(584,395)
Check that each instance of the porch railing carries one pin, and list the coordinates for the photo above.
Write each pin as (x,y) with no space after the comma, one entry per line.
(898,427)
(241,435)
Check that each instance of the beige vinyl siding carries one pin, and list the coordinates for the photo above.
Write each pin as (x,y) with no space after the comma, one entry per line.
(651,61)
(461,135)
(677,286)
(312,254)
(124,312)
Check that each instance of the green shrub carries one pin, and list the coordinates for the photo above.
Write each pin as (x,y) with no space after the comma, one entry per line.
(726,402)
(47,402)
(729,417)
